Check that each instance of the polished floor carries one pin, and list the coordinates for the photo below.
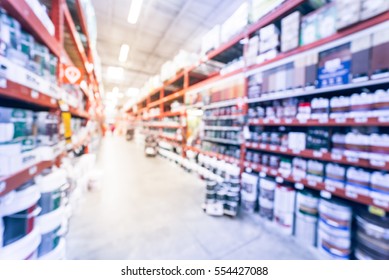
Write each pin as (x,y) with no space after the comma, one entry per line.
(149,208)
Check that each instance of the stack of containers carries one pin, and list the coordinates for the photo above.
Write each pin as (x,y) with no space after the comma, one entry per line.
(19,235)
(372,237)
(284,203)
(52,185)
(249,192)
(307,204)
(267,188)
(334,231)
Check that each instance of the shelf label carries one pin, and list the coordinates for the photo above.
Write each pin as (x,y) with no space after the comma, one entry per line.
(34,94)
(288,121)
(249,170)
(276,121)
(325,194)
(317,154)
(262,146)
(336,157)
(32,170)
(378,163)
(3,185)
(254,166)
(299,186)
(312,183)
(262,174)
(352,195)
(266,120)
(273,148)
(255,145)
(279,180)
(381,203)
(296,179)
(361,120)
(352,159)
(255,121)
(330,188)
(383,119)
(53,101)
(296,152)
(265,169)
(3,82)
(303,120)
(376,211)
(340,120)
(323,120)
(246,164)
(273,172)
(283,149)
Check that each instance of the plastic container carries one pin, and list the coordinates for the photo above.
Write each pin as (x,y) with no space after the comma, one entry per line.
(306,228)
(25,248)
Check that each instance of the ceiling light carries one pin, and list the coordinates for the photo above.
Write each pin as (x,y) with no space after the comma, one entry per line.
(124,52)
(133,15)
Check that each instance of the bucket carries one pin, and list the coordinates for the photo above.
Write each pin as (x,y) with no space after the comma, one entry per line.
(25,248)
(284,221)
(284,199)
(266,208)
(306,228)
(307,203)
(59,253)
(334,242)
(50,227)
(52,185)
(335,213)
(231,208)
(18,211)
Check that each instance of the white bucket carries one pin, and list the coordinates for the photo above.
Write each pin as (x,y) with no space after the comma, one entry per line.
(23,249)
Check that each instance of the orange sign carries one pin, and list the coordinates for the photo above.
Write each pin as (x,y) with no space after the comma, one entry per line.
(72,75)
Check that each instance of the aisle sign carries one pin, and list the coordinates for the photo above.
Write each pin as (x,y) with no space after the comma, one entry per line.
(72,75)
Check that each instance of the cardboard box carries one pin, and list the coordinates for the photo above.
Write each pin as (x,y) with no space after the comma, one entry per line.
(371,8)
(348,12)
(290,31)
(360,58)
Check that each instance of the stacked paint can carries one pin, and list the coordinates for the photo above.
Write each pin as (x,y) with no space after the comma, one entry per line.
(249,192)
(307,204)
(52,185)
(284,204)
(334,230)
(267,188)
(19,235)
(372,237)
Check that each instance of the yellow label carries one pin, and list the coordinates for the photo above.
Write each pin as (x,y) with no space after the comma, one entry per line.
(377,211)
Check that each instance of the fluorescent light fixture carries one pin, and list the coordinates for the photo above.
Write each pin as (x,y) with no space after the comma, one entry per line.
(133,15)
(124,52)
(115,73)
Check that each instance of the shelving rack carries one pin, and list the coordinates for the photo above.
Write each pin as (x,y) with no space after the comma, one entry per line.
(214,78)
(66,45)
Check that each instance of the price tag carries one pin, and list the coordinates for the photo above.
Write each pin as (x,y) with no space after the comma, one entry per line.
(265,169)
(381,203)
(352,159)
(273,172)
(296,179)
(246,164)
(340,120)
(383,119)
(279,180)
(336,157)
(288,121)
(276,121)
(299,186)
(378,163)
(330,188)
(255,145)
(254,166)
(3,82)
(352,194)
(283,149)
(303,120)
(266,120)
(296,152)
(249,170)
(376,211)
(273,148)
(255,121)
(325,194)
(53,101)
(361,120)
(262,174)
(3,185)
(312,183)
(317,154)
(32,170)
(262,146)
(34,94)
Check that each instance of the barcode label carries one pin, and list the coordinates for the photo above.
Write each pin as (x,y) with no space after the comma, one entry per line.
(325,194)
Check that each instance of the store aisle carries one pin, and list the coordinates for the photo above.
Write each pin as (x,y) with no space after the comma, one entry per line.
(148,208)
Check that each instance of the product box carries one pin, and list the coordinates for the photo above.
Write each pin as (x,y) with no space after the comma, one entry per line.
(379,55)
(348,12)
(290,31)
(371,8)
(259,8)
(311,64)
(252,50)
(326,21)
(211,40)
(235,23)
(308,29)
(334,66)
(360,58)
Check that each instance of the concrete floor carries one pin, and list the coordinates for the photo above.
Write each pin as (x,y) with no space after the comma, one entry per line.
(149,208)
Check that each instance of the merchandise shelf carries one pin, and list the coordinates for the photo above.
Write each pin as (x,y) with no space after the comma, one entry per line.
(215,155)
(223,141)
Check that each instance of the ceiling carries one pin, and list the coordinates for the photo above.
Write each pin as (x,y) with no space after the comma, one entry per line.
(164,27)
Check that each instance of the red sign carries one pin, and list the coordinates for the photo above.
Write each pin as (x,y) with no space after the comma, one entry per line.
(72,75)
